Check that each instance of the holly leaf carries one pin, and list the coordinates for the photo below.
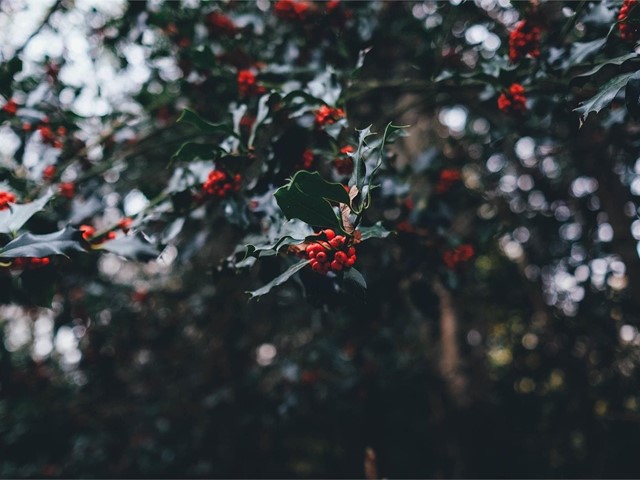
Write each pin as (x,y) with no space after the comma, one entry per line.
(189,151)
(133,247)
(613,61)
(354,283)
(308,197)
(582,50)
(359,157)
(604,97)
(13,218)
(272,248)
(374,231)
(279,280)
(58,243)
(189,116)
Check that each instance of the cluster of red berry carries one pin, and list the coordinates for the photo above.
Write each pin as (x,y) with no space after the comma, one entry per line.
(219,24)
(248,84)
(47,135)
(219,184)
(629,30)
(301,10)
(513,100)
(448,177)
(5,199)
(30,262)
(291,10)
(462,253)
(333,254)
(88,233)
(524,40)
(11,107)
(344,163)
(326,115)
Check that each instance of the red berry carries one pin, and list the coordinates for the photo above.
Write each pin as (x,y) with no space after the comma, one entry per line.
(336,266)
(340,257)
(330,234)
(321,257)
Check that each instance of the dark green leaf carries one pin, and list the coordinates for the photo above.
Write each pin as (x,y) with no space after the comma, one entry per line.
(374,231)
(280,279)
(604,97)
(271,249)
(133,247)
(582,50)
(311,183)
(189,151)
(307,197)
(612,61)
(57,243)
(359,157)
(354,283)
(189,116)
(12,219)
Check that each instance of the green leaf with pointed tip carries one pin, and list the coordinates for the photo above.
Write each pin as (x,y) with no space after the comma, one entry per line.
(581,50)
(189,116)
(612,61)
(38,246)
(134,247)
(354,283)
(359,157)
(307,197)
(271,249)
(604,97)
(374,231)
(280,279)
(13,218)
(189,151)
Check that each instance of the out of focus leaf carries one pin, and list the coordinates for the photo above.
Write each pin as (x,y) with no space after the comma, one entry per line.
(374,231)
(280,279)
(134,247)
(604,97)
(58,243)
(189,116)
(13,218)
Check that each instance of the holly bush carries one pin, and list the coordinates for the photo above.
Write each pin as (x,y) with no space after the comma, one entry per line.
(304,238)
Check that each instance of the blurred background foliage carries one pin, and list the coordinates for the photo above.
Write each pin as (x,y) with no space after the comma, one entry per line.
(516,360)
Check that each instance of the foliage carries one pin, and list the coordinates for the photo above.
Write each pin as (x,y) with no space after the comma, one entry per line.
(248,268)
